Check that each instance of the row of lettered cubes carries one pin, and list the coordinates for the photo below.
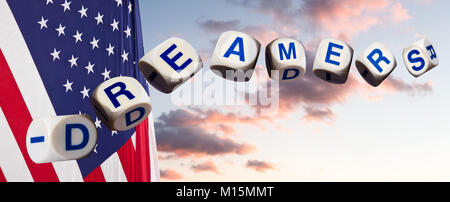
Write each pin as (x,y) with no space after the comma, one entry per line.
(174,61)
(121,103)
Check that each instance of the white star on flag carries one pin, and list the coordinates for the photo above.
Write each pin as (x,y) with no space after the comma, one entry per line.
(66,5)
(83,11)
(73,61)
(106,74)
(94,43)
(55,54)
(110,50)
(128,32)
(113,132)
(90,67)
(130,7)
(60,30)
(95,149)
(119,2)
(85,92)
(68,86)
(124,56)
(115,25)
(99,18)
(77,37)
(43,22)
(97,123)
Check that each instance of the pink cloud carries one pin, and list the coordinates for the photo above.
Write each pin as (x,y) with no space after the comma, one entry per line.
(191,142)
(322,115)
(260,32)
(342,19)
(393,84)
(205,167)
(260,166)
(346,18)
(194,132)
(170,174)
(399,14)
(263,34)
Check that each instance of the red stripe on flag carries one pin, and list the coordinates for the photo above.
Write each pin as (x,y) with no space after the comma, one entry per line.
(143,152)
(95,176)
(2,177)
(19,118)
(136,164)
(128,160)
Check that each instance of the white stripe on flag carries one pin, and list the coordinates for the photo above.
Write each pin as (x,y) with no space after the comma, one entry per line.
(111,171)
(29,82)
(11,161)
(154,168)
(133,139)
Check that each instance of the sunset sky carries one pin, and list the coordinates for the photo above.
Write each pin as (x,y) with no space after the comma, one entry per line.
(323,132)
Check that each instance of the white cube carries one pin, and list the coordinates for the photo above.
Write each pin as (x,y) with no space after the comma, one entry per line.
(286,56)
(376,63)
(235,54)
(420,57)
(170,64)
(61,138)
(333,61)
(121,103)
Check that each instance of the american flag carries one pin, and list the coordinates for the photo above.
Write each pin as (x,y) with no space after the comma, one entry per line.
(54,53)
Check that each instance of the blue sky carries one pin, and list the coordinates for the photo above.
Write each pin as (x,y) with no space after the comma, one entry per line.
(397,131)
